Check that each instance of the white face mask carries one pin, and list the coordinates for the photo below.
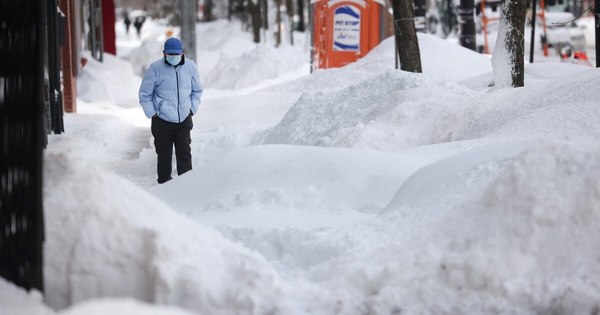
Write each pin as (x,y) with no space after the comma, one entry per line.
(173,59)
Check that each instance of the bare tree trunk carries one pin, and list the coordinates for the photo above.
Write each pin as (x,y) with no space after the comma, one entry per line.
(254,11)
(300,11)
(208,7)
(289,9)
(244,17)
(229,9)
(510,45)
(406,36)
(278,23)
(467,24)
(265,14)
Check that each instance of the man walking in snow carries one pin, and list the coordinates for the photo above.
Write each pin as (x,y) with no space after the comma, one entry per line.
(170,94)
(127,21)
(137,23)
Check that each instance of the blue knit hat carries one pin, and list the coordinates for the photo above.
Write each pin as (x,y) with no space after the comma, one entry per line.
(173,46)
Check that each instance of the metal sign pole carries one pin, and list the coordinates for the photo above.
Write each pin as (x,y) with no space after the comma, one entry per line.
(533,16)
(188,10)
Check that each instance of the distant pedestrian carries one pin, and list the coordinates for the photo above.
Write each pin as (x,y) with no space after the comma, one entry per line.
(137,23)
(170,95)
(127,21)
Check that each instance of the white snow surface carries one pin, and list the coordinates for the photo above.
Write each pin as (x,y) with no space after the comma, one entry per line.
(359,190)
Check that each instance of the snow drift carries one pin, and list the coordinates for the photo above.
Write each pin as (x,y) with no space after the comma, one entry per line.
(108,238)
(524,241)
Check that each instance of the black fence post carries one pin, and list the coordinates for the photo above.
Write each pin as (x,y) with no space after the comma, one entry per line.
(55,101)
(22,138)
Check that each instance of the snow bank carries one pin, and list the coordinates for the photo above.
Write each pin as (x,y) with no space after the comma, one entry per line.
(121,307)
(523,240)
(440,59)
(143,51)
(16,301)
(395,110)
(446,61)
(559,107)
(530,240)
(146,53)
(535,74)
(457,64)
(369,104)
(262,63)
(112,80)
(220,39)
(108,238)
(100,138)
(390,111)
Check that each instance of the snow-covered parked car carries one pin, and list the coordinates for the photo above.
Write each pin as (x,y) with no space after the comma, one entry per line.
(562,30)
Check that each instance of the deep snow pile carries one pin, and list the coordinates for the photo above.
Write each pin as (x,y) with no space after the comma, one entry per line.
(368,105)
(397,110)
(262,63)
(15,301)
(108,81)
(463,234)
(528,243)
(523,241)
(108,238)
(386,112)
(121,307)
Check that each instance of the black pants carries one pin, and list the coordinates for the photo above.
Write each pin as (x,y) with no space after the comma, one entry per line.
(166,134)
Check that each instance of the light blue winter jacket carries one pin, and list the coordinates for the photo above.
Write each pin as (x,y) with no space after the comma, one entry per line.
(171,92)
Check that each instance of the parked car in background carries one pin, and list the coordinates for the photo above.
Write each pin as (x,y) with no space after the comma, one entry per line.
(420,11)
(562,30)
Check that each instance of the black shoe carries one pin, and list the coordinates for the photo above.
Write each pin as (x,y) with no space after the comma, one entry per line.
(162,181)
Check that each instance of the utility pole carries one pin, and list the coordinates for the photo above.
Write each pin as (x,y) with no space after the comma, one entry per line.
(533,16)
(188,10)
(467,24)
